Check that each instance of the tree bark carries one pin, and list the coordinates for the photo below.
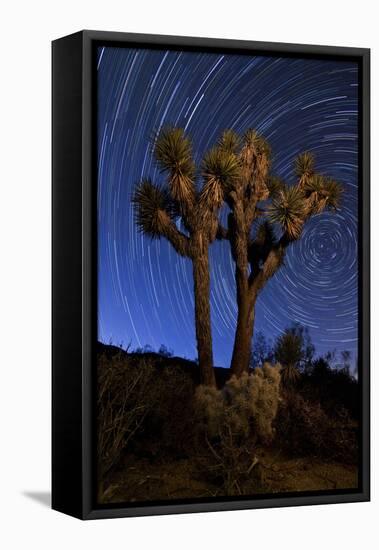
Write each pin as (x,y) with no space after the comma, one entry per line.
(248,289)
(244,332)
(245,297)
(201,279)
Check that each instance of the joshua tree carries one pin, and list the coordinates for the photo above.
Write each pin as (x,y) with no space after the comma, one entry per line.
(266,216)
(158,207)
(289,353)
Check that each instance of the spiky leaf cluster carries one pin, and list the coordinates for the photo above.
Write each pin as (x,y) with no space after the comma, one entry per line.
(274,185)
(255,141)
(173,151)
(322,193)
(290,375)
(220,171)
(304,166)
(334,192)
(288,210)
(315,184)
(314,194)
(152,208)
(230,141)
(289,352)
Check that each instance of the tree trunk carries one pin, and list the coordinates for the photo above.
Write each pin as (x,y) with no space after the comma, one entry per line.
(245,297)
(203,317)
(244,330)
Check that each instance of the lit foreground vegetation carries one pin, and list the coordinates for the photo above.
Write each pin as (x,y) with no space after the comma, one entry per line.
(163,436)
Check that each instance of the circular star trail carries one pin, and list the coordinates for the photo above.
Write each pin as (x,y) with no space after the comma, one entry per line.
(145,290)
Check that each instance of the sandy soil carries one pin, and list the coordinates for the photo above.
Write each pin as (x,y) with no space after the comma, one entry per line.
(145,481)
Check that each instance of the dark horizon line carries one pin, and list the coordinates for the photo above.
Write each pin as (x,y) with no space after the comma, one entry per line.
(172,355)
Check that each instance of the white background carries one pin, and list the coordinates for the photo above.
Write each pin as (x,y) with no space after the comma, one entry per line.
(27,29)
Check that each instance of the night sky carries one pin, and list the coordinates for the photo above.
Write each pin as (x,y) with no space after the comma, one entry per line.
(145,288)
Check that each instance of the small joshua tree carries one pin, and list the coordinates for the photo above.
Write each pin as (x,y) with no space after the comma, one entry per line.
(267,215)
(289,352)
(158,207)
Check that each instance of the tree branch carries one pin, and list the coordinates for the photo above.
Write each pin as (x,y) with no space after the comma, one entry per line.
(250,213)
(168,229)
(272,263)
(222,232)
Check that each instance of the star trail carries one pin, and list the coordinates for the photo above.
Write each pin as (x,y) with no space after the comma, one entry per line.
(145,290)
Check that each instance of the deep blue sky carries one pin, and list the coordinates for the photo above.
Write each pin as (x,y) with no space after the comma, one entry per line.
(145,288)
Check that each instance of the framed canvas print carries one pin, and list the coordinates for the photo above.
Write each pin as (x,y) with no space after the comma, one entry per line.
(210,275)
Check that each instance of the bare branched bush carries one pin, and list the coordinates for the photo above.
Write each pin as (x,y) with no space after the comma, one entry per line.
(234,419)
(305,429)
(126,394)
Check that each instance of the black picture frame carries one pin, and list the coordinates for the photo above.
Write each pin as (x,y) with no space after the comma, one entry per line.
(74,275)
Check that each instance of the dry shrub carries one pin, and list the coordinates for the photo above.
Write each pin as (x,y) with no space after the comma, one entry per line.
(304,429)
(169,429)
(143,408)
(255,399)
(126,394)
(233,419)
